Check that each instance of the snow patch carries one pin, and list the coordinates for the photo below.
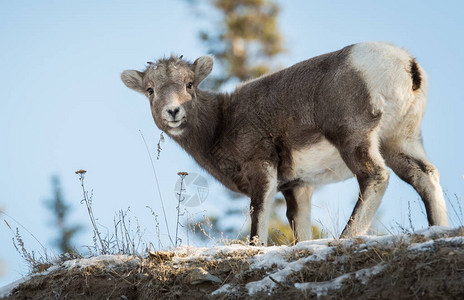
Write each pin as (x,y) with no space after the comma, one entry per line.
(268,284)
(185,253)
(99,260)
(6,290)
(226,288)
(364,274)
(423,247)
(430,245)
(322,288)
(278,258)
(429,232)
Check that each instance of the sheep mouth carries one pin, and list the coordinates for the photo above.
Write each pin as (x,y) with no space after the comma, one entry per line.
(175,124)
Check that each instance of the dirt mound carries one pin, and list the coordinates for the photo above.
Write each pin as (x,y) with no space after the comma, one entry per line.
(426,265)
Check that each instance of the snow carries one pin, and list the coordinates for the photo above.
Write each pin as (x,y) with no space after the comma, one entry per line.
(268,284)
(6,290)
(364,274)
(388,241)
(429,232)
(426,246)
(111,260)
(276,256)
(322,288)
(226,288)
(185,253)
(429,245)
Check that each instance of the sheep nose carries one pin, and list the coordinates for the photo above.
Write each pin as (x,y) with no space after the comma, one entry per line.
(174,112)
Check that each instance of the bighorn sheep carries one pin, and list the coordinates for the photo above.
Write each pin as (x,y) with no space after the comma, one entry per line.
(351,112)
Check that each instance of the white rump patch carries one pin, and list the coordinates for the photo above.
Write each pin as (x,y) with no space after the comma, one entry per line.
(386,71)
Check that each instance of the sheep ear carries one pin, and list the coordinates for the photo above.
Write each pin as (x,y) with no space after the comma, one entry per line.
(203,67)
(133,80)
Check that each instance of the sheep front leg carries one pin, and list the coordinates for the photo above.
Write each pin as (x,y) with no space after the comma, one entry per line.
(264,188)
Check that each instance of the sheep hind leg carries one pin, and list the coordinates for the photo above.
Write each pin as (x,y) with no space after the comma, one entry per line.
(411,164)
(299,211)
(367,164)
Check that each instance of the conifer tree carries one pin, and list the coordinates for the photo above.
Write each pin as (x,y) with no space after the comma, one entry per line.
(245,40)
(60,213)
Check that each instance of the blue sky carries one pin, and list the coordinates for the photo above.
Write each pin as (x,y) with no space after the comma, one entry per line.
(64,108)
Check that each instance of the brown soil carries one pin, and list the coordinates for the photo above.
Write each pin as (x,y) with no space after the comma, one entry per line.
(408,274)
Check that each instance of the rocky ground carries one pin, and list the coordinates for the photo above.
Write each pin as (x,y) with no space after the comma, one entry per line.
(428,264)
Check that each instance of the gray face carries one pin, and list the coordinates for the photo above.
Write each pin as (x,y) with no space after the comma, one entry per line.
(170,86)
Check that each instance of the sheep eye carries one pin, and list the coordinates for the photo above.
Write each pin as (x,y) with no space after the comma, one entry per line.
(189,85)
(150,91)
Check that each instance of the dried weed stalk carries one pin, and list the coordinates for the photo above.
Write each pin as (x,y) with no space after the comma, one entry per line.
(157,185)
(88,203)
(180,199)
